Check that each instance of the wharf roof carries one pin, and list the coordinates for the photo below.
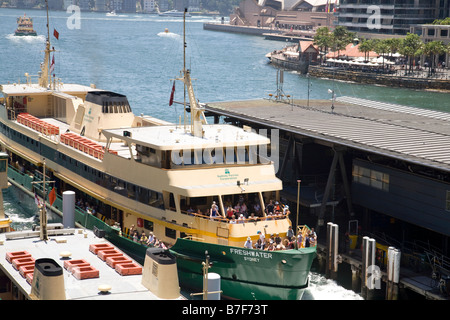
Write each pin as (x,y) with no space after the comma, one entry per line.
(411,134)
(174,137)
(122,287)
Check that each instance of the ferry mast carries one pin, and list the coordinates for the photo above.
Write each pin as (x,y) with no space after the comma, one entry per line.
(197,115)
(44,74)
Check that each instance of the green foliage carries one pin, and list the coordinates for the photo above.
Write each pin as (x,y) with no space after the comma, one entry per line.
(445,21)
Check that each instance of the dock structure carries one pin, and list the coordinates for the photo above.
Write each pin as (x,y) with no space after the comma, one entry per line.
(384,164)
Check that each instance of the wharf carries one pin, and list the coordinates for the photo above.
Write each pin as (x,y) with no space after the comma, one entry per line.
(256,31)
(415,135)
(287,37)
(407,147)
(420,282)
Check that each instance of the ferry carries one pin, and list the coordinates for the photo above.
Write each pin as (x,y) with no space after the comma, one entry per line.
(173,13)
(173,183)
(25,27)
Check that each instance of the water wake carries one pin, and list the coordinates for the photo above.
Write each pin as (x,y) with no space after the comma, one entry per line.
(321,288)
(169,35)
(29,39)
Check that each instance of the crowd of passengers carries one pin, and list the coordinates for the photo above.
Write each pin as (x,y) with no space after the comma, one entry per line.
(274,242)
(241,212)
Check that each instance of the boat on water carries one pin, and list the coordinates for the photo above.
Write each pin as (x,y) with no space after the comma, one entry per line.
(173,13)
(25,27)
(112,13)
(172,183)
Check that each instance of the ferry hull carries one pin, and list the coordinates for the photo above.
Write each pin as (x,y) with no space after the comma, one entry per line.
(20,34)
(246,274)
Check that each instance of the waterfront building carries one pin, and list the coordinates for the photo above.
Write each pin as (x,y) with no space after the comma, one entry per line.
(84,5)
(100,5)
(163,5)
(116,5)
(68,3)
(388,17)
(289,15)
(192,5)
(149,6)
(434,32)
(129,6)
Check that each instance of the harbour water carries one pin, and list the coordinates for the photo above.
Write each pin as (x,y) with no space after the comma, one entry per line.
(133,55)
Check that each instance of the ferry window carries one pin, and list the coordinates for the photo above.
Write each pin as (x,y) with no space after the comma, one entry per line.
(171,233)
(3,165)
(131,190)
(148,225)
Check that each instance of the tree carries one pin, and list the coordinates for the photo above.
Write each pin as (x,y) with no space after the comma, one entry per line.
(365,46)
(382,48)
(322,39)
(411,47)
(341,38)
(394,45)
(433,50)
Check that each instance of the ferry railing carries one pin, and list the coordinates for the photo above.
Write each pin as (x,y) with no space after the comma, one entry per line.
(226,220)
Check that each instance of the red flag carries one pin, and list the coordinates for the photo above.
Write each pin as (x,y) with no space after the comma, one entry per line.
(56,34)
(52,65)
(171,94)
(52,196)
(36,200)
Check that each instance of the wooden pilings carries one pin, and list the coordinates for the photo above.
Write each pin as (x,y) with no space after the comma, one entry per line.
(370,273)
(332,257)
(393,273)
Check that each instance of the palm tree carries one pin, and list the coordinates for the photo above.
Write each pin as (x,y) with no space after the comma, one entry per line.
(365,46)
(341,38)
(411,47)
(382,48)
(322,39)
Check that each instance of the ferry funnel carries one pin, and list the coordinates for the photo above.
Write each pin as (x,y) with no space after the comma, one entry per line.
(160,274)
(48,281)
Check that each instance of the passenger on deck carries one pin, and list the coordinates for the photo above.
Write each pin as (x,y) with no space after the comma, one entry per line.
(243,209)
(300,240)
(257,208)
(290,232)
(269,207)
(233,219)
(241,218)
(277,239)
(262,237)
(252,218)
(259,245)
(248,244)
(230,212)
(151,239)
(214,210)
(143,238)
(135,237)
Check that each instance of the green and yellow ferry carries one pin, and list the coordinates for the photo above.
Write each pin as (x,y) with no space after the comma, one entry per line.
(143,174)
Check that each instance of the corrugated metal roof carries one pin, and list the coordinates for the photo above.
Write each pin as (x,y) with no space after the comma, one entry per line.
(407,133)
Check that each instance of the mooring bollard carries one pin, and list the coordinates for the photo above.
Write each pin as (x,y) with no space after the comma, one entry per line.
(332,250)
(393,273)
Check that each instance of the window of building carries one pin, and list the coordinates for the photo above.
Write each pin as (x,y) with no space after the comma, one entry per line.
(373,178)
(447,201)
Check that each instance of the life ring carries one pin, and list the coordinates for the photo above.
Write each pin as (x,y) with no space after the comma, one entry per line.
(140,222)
